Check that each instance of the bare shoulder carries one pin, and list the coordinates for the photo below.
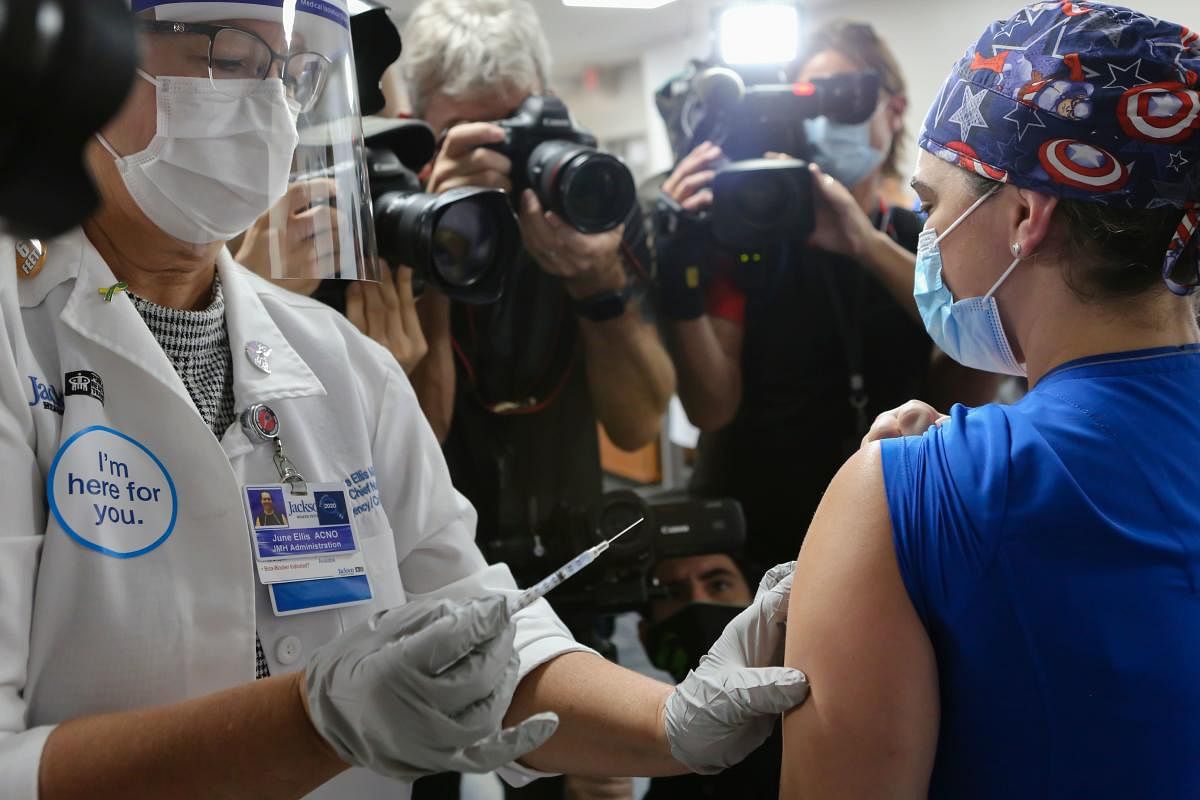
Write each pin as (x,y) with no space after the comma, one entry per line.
(869,728)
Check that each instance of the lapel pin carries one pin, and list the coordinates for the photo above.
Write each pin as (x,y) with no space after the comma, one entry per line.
(31,257)
(112,291)
(260,356)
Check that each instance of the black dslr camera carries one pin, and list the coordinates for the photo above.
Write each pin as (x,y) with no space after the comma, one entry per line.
(622,578)
(757,199)
(592,191)
(463,241)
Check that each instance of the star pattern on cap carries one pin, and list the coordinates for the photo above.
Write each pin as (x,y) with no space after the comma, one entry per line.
(1120,82)
(1026,16)
(1029,118)
(1104,25)
(1128,17)
(1103,148)
(1179,49)
(968,115)
(1061,27)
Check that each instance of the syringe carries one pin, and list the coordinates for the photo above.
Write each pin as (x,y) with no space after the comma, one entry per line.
(539,589)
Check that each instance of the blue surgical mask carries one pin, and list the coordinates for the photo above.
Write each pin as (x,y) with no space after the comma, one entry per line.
(970,330)
(843,151)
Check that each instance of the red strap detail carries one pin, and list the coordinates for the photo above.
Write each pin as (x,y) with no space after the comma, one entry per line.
(1072,61)
(725,299)
(994,64)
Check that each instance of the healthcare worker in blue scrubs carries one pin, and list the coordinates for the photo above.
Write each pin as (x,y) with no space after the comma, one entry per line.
(232,562)
(1007,605)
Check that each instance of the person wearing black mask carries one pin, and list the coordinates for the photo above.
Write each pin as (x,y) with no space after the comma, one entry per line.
(704,594)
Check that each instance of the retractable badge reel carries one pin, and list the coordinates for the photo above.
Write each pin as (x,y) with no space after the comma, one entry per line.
(306,547)
(262,425)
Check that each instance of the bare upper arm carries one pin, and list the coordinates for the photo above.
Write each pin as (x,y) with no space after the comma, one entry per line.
(869,728)
(729,337)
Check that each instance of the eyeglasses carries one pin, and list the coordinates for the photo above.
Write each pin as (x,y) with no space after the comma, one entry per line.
(234,53)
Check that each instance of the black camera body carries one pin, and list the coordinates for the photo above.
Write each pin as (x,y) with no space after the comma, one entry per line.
(592,191)
(757,200)
(462,242)
(770,117)
(763,199)
(622,578)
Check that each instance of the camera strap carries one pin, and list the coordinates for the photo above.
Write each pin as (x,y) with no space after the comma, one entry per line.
(849,324)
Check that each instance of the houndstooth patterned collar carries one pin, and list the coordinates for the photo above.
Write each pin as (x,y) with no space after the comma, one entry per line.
(197,344)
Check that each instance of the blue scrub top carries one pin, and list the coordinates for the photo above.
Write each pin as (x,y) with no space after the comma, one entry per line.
(1052,550)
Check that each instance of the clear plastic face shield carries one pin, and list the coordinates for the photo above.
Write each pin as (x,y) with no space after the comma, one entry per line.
(286,66)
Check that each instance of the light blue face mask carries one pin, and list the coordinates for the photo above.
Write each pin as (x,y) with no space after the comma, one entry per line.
(969,331)
(843,151)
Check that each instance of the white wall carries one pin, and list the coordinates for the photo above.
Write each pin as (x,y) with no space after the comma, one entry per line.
(928,36)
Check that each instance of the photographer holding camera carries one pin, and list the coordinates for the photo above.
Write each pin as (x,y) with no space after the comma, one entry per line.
(787,349)
(567,343)
(515,388)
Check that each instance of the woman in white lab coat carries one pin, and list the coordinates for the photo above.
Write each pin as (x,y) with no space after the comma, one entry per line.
(151,391)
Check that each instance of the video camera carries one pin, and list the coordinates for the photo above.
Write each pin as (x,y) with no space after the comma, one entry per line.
(67,65)
(592,191)
(621,579)
(754,198)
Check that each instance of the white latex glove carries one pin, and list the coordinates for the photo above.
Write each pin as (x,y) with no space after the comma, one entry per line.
(727,707)
(421,689)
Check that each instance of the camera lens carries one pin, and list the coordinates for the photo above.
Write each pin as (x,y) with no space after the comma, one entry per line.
(760,200)
(616,512)
(592,191)
(462,241)
(850,99)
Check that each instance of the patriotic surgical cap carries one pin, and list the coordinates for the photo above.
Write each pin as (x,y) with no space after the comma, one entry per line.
(1084,101)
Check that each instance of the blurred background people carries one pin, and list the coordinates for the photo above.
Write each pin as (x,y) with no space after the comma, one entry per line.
(786,350)
(516,388)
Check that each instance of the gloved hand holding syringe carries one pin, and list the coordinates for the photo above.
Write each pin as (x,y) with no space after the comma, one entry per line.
(539,589)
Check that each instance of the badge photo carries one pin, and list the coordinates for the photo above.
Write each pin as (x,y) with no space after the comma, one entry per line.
(267,507)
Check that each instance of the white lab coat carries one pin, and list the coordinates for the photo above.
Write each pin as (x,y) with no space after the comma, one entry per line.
(83,632)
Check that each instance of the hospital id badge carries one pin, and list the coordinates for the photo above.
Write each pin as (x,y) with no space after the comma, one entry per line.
(306,548)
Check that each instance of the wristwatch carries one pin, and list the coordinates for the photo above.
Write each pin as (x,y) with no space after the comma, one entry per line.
(604,306)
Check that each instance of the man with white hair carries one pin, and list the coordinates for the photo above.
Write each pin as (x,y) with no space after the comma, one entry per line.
(515,390)
(535,371)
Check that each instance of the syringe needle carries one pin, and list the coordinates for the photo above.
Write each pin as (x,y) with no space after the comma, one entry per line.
(627,530)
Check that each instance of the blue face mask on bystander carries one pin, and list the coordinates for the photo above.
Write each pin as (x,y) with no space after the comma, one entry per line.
(970,330)
(843,151)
